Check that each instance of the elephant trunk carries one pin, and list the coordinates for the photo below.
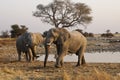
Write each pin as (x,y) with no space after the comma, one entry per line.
(46,54)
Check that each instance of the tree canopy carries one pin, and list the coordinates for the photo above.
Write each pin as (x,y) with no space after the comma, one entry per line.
(64,13)
(17,30)
(5,34)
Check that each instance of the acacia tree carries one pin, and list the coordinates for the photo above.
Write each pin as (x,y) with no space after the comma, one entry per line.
(18,30)
(64,13)
(5,34)
(107,31)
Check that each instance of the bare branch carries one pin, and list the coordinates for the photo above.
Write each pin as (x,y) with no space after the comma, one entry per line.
(64,13)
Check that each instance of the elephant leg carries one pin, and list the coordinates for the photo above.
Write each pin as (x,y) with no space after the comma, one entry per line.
(26,55)
(19,55)
(58,49)
(58,55)
(56,62)
(59,60)
(78,63)
(82,55)
(34,52)
(30,55)
(83,60)
(78,54)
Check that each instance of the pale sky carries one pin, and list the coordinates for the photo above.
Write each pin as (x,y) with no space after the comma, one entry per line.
(106,15)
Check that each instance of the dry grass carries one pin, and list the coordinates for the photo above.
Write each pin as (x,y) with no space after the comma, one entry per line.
(9,74)
(97,75)
(10,69)
(66,76)
(7,41)
(101,75)
(12,74)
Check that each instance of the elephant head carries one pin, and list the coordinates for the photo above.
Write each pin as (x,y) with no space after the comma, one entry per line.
(21,45)
(57,36)
(27,43)
(26,39)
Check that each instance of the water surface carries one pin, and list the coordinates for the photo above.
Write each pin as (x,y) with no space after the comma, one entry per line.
(106,57)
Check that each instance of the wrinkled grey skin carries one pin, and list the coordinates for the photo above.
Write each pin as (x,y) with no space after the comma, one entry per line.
(22,47)
(72,42)
(26,43)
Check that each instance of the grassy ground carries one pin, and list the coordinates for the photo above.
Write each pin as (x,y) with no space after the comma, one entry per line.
(36,71)
(11,69)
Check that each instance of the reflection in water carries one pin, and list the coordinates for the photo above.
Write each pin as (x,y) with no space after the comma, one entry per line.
(106,57)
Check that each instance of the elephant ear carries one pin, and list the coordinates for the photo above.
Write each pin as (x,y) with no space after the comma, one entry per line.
(55,32)
(64,35)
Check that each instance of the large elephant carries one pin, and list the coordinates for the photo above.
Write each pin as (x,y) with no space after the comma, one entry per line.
(72,42)
(27,43)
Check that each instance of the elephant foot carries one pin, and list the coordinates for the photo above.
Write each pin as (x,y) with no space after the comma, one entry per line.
(29,60)
(84,64)
(36,57)
(77,54)
(58,66)
(77,65)
(19,60)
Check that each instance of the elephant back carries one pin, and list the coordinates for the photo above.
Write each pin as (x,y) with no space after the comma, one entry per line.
(77,36)
(36,38)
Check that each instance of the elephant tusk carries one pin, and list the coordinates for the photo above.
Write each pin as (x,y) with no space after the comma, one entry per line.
(48,44)
(27,45)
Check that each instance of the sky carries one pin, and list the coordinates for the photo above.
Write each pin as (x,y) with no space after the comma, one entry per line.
(105,13)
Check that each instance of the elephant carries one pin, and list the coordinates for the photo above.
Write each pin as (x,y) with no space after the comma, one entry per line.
(66,42)
(27,43)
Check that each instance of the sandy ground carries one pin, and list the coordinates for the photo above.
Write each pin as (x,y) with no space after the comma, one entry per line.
(10,67)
